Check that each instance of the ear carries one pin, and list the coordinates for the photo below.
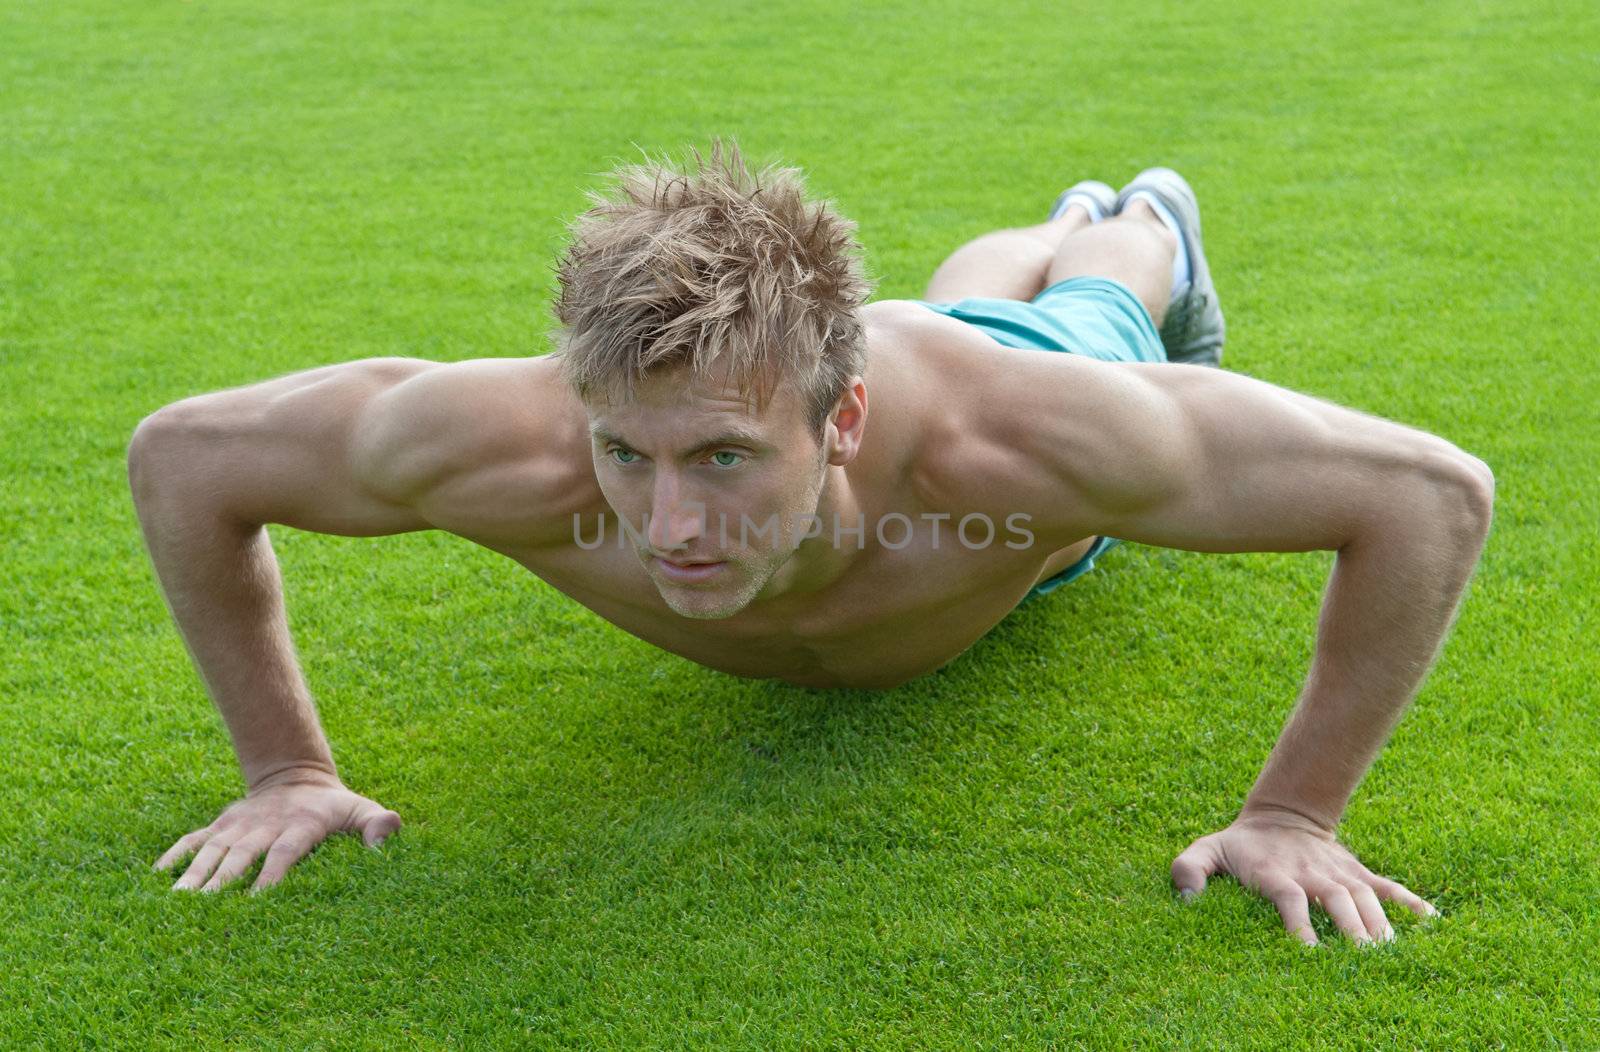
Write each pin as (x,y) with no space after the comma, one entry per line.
(845,426)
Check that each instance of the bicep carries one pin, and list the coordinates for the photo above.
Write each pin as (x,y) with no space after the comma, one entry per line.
(297,450)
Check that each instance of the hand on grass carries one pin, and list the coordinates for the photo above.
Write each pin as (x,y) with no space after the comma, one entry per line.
(1293,862)
(284,817)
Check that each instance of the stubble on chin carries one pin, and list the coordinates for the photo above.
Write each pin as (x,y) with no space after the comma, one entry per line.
(715,606)
(702,607)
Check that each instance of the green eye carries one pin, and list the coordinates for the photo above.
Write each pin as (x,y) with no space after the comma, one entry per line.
(623,456)
(733,458)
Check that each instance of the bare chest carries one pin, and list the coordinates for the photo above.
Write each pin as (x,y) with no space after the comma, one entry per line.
(896,616)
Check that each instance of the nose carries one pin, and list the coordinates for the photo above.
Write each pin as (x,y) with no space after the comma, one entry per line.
(676,522)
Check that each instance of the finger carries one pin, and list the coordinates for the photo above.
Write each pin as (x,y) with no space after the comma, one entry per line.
(1290,898)
(1393,891)
(239,858)
(1371,910)
(288,849)
(381,825)
(1335,900)
(203,864)
(1190,869)
(186,843)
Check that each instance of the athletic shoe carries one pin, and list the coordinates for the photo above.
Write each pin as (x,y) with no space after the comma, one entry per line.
(1193,329)
(1100,193)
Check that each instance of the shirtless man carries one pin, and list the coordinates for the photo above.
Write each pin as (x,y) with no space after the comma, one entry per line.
(833,493)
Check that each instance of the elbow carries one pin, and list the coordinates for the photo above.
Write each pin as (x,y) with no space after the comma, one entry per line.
(1481,488)
(141,452)
(151,449)
(1447,497)
(1474,481)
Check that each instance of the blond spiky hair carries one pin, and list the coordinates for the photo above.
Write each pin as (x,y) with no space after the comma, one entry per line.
(711,266)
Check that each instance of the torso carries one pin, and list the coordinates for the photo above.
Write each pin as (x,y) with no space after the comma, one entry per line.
(895,615)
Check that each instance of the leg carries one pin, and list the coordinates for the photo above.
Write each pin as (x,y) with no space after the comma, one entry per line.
(1135,248)
(1005,264)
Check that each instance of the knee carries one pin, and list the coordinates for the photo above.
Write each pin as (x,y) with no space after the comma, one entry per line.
(1164,235)
(1141,213)
(1169,240)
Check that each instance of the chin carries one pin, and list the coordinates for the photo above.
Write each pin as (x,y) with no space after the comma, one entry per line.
(700,610)
(704,606)
(708,604)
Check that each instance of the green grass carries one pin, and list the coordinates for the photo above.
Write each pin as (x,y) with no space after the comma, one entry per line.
(607,846)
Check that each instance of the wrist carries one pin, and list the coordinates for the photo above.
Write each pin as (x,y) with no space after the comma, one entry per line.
(1286,815)
(301,772)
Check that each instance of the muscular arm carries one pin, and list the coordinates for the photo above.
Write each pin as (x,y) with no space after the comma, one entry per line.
(207,473)
(1195,458)
(1241,465)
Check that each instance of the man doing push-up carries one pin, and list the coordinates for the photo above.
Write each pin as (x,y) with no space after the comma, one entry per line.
(733,456)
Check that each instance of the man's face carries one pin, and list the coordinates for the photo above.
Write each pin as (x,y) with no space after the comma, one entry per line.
(713,492)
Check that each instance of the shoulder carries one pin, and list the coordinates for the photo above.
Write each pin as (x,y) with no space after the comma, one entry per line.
(958,363)
(446,439)
(1005,430)
(936,368)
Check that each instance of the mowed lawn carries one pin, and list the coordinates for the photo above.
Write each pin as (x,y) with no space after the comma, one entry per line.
(608,846)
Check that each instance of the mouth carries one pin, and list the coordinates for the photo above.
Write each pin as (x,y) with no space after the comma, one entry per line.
(687,572)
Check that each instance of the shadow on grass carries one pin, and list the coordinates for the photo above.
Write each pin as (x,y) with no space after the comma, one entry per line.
(634,761)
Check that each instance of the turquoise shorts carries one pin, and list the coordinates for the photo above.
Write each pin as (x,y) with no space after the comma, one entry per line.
(1094,317)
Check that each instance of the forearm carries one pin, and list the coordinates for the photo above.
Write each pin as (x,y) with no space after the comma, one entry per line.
(1391,600)
(223,587)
